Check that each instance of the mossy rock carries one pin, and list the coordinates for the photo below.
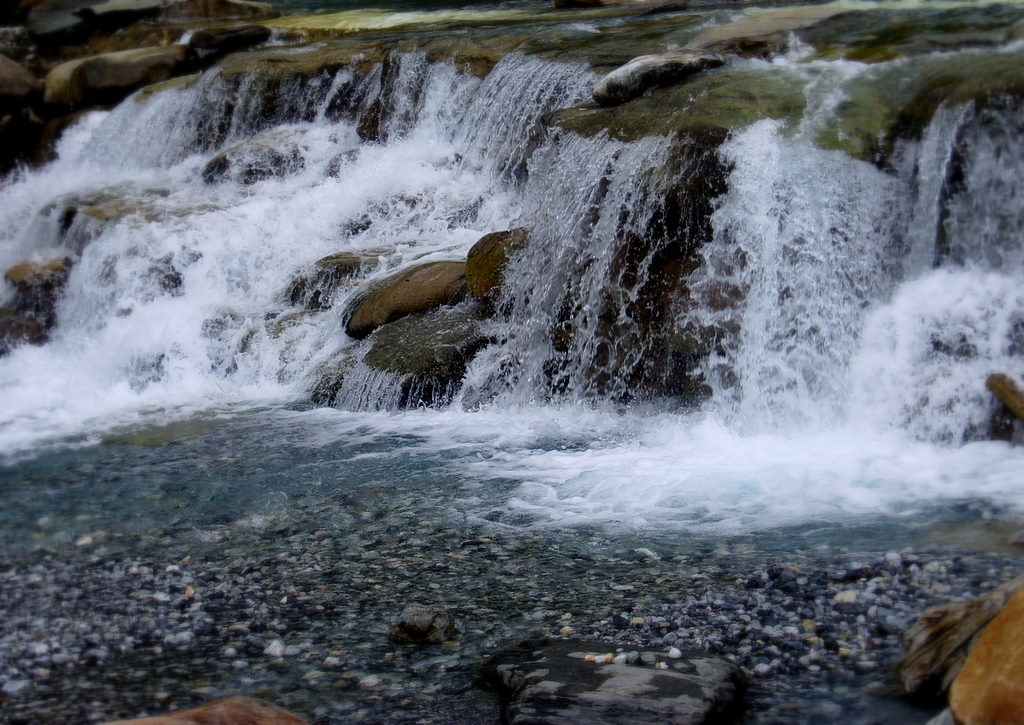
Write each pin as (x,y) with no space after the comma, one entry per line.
(708,107)
(314,289)
(486,261)
(417,289)
(429,352)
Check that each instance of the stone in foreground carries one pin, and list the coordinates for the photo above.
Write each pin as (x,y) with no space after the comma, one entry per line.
(558,683)
(421,288)
(229,711)
(422,625)
(990,687)
(937,645)
(648,71)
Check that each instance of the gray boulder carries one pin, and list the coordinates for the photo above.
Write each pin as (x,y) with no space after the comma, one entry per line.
(207,45)
(648,71)
(17,85)
(568,682)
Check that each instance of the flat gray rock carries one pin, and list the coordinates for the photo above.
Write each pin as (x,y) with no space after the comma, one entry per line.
(568,682)
(647,71)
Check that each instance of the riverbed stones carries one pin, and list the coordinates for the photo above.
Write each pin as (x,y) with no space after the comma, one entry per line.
(421,288)
(990,687)
(227,711)
(556,683)
(419,624)
(486,260)
(648,71)
(110,77)
(937,645)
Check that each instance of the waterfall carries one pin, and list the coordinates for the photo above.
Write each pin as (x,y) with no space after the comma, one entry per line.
(774,284)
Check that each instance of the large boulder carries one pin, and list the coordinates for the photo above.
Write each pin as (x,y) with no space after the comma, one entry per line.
(990,687)
(485,263)
(228,711)
(416,289)
(427,353)
(18,87)
(110,77)
(563,683)
(936,647)
(649,71)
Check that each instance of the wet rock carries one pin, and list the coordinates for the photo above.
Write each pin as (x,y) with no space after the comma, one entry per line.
(485,263)
(761,27)
(18,329)
(315,289)
(1007,392)
(37,286)
(418,289)
(229,711)
(17,86)
(418,624)
(578,681)
(110,77)
(206,45)
(219,10)
(937,645)
(263,157)
(648,71)
(990,687)
(118,13)
(56,19)
(15,42)
(20,131)
(429,352)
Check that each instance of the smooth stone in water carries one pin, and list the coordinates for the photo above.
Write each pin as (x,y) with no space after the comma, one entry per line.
(417,289)
(418,624)
(631,80)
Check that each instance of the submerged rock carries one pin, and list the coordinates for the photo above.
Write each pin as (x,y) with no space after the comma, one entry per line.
(647,71)
(18,329)
(270,155)
(110,77)
(315,289)
(990,687)
(418,289)
(37,287)
(485,263)
(937,645)
(577,681)
(763,31)
(229,711)
(422,625)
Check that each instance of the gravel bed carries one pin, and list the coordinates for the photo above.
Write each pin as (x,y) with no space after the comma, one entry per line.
(296,610)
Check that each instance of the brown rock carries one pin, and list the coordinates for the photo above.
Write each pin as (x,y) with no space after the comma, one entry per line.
(17,85)
(990,687)
(18,329)
(422,625)
(110,77)
(37,286)
(1008,392)
(418,289)
(229,711)
(485,263)
(936,646)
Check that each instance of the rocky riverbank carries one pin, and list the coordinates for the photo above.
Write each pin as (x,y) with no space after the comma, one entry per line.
(296,609)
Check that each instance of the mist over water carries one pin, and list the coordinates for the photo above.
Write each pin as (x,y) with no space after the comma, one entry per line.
(867,305)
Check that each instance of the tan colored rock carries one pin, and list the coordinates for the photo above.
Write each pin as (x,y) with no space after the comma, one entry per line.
(990,687)
(485,263)
(727,37)
(17,85)
(229,711)
(418,289)
(37,287)
(110,77)
(937,645)
(1008,392)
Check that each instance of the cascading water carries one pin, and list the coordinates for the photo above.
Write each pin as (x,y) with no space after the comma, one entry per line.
(823,304)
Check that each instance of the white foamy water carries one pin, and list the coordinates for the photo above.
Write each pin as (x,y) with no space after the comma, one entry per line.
(867,305)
